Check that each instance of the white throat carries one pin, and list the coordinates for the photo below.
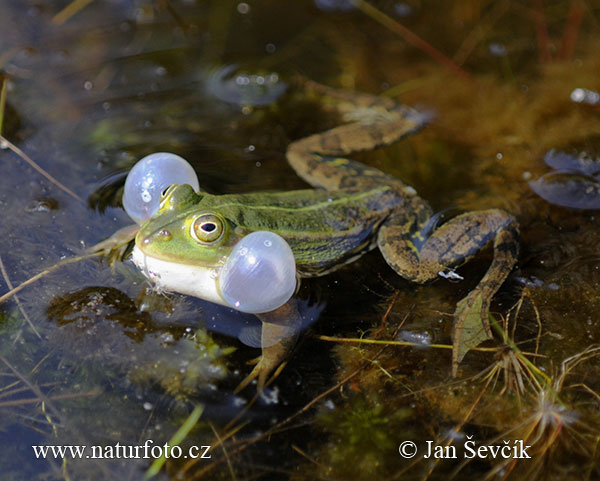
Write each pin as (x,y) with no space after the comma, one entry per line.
(194,281)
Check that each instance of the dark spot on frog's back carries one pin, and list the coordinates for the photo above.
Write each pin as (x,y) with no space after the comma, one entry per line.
(348,182)
(389,199)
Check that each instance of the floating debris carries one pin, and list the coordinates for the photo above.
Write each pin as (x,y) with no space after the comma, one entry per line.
(581,162)
(419,338)
(574,183)
(403,10)
(585,96)
(245,89)
(43,204)
(497,49)
(334,5)
(451,276)
(568,189)
(534,282)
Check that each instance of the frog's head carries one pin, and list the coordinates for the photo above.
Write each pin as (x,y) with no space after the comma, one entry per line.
(189,248)
(183,246)
(184,232)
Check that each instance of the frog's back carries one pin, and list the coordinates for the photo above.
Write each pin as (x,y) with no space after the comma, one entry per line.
(325,229)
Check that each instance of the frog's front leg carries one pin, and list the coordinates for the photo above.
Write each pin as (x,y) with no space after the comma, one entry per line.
(421,258)
(115,246)
(279,333)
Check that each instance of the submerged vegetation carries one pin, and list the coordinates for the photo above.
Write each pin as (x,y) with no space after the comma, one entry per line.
(88,356)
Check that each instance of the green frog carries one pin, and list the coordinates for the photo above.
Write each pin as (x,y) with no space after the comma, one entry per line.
(351,209)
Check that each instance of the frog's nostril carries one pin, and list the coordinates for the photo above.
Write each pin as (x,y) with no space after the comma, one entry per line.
(164,234)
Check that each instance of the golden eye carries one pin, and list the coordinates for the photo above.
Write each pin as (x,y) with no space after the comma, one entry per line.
(207,228)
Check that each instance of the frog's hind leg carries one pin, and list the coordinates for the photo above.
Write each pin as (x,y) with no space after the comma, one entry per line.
(421,258)
(375,122)
(280,329)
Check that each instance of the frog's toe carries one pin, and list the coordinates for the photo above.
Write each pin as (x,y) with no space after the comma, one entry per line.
(261,372)
(111,253)
(115,246)
(253,362)
(471,326)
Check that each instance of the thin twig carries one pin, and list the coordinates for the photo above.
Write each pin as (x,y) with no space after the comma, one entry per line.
(399,343)
(541,31)
(176,439)
(574,18)
(384,319)
(478,34)
(28,159)
(224,449)
(5,391)
(409,36)
(35,389)
(308,458)
(187,466)
(58,397)
(3,100)
(45,272)
(70,10)
(19,305)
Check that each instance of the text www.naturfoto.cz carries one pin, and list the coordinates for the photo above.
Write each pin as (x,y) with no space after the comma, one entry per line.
(148,450)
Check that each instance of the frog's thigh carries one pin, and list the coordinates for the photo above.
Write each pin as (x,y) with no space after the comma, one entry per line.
(453,244)
(333,172)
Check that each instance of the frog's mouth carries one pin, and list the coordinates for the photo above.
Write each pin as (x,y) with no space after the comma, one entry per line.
(186,279)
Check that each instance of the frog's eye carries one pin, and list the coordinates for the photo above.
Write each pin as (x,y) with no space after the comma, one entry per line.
(165,194)
(206,228)
(166,191)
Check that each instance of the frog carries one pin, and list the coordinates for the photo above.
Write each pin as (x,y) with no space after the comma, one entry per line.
(350,209)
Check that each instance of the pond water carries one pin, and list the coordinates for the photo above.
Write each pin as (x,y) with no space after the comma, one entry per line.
(91,356)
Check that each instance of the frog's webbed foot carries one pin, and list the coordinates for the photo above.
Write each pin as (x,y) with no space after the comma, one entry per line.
(471,325)
(280,330)
(421,258)
(115,246)
(272,360)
